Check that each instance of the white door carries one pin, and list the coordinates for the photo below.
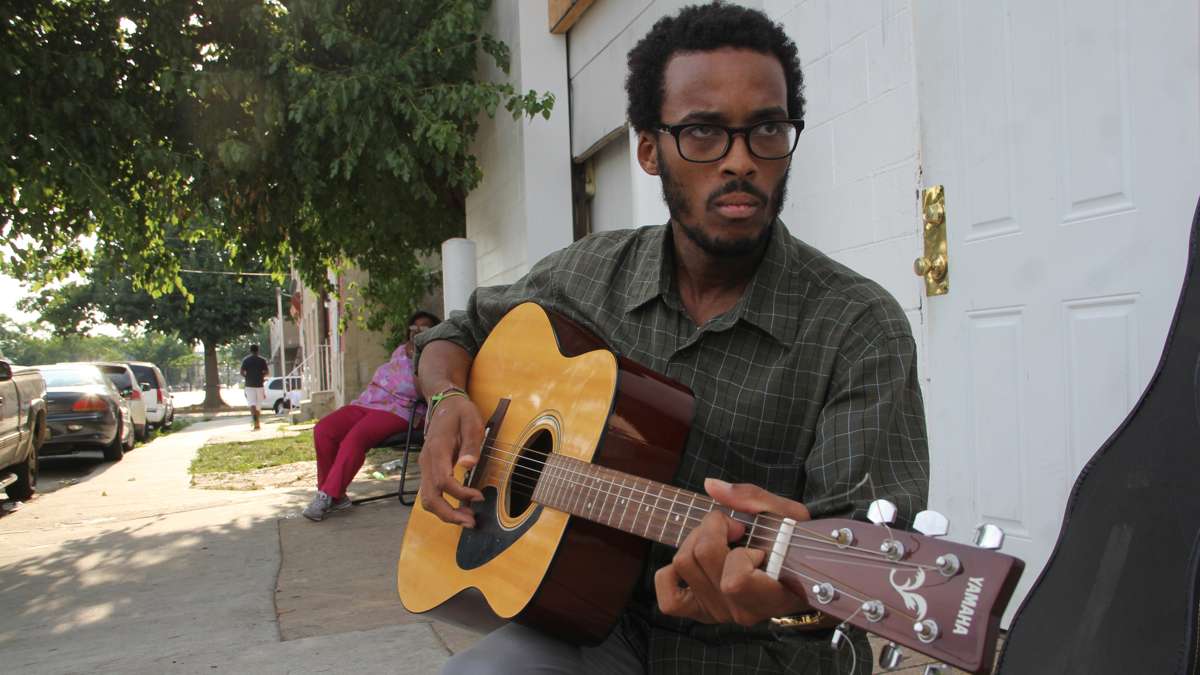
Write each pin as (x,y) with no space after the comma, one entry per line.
(1067,136)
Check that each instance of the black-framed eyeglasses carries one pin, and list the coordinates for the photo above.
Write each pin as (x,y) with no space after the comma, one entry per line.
(705,142)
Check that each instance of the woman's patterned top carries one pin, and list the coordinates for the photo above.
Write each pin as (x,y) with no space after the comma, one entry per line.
(392,389)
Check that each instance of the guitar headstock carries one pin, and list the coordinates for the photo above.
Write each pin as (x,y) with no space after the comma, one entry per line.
(937,597)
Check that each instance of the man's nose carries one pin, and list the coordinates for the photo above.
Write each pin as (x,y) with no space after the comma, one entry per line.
(739,161)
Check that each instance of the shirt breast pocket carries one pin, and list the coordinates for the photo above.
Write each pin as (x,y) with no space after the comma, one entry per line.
(778,472)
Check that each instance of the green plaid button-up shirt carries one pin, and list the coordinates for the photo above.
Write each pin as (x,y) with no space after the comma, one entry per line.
(805,387)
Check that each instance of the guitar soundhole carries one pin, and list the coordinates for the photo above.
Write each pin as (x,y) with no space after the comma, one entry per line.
(528,470)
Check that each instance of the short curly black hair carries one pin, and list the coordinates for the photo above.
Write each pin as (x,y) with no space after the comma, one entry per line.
(703,28)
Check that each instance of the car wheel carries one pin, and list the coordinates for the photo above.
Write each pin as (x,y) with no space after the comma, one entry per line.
(116,450)
(27,474)
(279,407)
(140,435)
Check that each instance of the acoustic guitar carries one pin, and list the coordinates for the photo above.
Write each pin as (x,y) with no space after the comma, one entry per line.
(578,447)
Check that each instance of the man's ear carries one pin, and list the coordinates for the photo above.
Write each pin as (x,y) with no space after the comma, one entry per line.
(647,152)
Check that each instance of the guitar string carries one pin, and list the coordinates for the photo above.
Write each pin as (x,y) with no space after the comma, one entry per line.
(812,535)
(530,480)
(769,518)
(850,591)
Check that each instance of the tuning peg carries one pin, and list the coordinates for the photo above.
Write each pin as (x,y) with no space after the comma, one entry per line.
(839,636)
(890,655)
(881,511)
(935,669)
(931,524)
(989,536)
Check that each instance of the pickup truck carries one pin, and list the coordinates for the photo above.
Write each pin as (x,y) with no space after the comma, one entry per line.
(22,428)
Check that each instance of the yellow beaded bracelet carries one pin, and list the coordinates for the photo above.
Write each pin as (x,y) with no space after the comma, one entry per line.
(449,392)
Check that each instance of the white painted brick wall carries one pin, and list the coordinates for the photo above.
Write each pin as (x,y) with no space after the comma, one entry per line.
(853,187)
(854,179)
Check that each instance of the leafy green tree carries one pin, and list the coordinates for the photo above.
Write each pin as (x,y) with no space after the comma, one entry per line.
(311,133)
(220,307)
(30,345)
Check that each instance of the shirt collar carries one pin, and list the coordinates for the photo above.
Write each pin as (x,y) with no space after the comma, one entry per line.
(774,298)
(651,279)
(771,302)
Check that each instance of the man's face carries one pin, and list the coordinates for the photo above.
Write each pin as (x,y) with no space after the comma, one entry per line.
(726,207)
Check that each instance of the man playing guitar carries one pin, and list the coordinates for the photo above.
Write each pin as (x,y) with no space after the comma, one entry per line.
(807,398)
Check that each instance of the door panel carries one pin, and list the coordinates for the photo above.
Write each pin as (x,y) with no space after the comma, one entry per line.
(1067,136)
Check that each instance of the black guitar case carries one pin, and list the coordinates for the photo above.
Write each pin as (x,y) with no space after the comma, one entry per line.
(1121,591)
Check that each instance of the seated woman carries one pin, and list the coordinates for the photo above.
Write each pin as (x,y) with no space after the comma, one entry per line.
(344,436)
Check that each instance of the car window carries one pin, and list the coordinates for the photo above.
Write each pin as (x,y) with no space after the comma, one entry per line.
(275,384)
(72,377)
(145,375)
(118,376)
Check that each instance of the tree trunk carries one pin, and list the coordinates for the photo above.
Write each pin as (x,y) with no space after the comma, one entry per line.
(212,379)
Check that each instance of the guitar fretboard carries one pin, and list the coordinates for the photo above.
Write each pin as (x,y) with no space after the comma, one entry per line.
(639,506)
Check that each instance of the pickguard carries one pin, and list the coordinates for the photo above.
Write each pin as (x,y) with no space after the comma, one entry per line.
(479,545)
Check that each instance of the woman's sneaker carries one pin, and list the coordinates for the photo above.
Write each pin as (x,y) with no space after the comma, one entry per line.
(343,503)
(318,508)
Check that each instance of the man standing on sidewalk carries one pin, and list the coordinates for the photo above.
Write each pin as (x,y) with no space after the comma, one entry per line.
(255,369)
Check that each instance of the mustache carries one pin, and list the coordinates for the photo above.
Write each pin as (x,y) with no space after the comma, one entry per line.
(738,186)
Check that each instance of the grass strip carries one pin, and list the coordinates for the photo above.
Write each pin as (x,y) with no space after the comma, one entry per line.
(177,425)
(246,456)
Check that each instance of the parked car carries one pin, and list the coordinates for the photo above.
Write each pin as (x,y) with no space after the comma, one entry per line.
(84,411)
(122,377)
(22,428)
(277,399)
(160,408)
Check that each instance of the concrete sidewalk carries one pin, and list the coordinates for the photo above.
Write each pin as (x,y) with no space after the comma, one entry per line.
(133,571)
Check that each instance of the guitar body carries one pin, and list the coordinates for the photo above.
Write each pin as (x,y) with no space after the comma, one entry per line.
(1121,592)
(559,389)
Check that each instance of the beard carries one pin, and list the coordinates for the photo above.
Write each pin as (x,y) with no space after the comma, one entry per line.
(673,194)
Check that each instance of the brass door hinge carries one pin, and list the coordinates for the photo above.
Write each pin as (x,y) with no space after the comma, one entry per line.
(935,264)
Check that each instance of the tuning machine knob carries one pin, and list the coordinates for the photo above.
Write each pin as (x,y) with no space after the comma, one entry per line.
(989,536)
(931,524)
(839,636)
(890,656)
(882,512)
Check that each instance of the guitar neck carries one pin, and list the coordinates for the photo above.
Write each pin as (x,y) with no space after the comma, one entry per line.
(641,507)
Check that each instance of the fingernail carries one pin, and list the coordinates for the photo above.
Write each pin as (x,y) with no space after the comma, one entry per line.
(717,482)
